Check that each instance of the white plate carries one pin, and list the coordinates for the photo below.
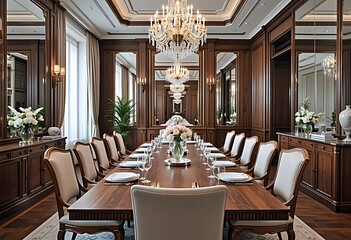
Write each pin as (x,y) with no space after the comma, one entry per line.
(234,177)
(122,177)
(217,155)
(137,155)
(129,164)
(208,144)
(190,141)
(140,150)
(165,141)
(224,164)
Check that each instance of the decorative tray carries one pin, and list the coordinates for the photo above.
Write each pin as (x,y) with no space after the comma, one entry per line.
(182,162)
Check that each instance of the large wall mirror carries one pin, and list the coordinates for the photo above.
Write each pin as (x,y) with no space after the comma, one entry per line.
(315,41)
(184,101)
(126,80)
(226,88)
(26,55)
(346,51)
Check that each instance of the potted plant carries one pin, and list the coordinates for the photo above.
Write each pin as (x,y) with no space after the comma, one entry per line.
(120,112)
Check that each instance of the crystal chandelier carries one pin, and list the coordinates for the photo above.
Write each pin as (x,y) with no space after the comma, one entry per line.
(177,74)
(329,66)
(177,32)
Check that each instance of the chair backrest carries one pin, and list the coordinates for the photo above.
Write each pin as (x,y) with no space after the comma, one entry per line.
(290,168)
(111,146)
(248,149)
(264,158)
(228,140)
(61,167)
(178,213)
(100,152)
(86,163)
(238,140)
(120,142)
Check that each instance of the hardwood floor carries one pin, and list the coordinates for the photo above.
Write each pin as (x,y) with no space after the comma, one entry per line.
(328,224)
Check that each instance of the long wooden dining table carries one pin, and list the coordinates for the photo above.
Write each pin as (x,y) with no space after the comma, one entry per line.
(112,201)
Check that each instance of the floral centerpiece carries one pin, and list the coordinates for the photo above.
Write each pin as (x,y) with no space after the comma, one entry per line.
(24,121)
(307,118)
(178,134)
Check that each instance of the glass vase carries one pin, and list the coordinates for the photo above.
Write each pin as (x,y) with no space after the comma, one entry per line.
(177,151)
(26,134)
(307,129)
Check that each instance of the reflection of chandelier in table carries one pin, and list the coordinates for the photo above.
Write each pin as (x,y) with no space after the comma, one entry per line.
(177,74)
(177,31)
(329,66)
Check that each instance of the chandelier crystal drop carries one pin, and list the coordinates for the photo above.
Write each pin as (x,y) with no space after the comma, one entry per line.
(177,32)
(177,88)
(329,66)
(177,74)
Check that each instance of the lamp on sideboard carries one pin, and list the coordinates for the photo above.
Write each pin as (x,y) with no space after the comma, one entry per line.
(211,82)
(142,83)
(58,75)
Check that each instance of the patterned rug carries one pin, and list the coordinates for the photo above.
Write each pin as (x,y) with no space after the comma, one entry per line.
(48,231)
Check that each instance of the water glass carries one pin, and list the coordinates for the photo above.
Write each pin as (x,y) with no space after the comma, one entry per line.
(147,164)
(140,162)
(211,163)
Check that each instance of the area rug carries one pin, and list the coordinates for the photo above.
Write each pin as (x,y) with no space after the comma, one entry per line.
(48,231)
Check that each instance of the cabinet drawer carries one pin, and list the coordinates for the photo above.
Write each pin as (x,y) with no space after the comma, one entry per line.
(301,142)
(36,149)
(284,138)
(325,147)
(18,153)
(3,156)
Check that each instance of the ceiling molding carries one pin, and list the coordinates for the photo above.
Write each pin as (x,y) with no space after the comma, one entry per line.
(127,22)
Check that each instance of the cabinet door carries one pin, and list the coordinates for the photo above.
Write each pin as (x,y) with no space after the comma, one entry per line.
(10,181)
(308,177)
(34,169)
(324,168)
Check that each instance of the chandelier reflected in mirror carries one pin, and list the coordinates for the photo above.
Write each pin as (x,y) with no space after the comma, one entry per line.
(177,74)
(177,88)
(329,66)
(177,32)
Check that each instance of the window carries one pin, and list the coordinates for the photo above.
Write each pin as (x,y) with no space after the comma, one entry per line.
(77,120)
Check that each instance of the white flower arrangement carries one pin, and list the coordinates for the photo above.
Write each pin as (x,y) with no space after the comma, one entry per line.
(304,116)
(178,133)
(26,118)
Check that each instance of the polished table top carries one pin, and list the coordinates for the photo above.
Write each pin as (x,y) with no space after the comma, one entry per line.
(113,200)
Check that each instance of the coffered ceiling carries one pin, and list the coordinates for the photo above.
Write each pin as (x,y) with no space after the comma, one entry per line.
(125,19)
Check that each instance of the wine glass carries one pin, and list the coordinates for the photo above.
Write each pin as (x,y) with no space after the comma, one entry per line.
(211,161)
(147,164)
(140,162)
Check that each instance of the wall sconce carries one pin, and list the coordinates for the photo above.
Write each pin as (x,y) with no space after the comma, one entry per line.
(211,82)
(58,76)
(142,83)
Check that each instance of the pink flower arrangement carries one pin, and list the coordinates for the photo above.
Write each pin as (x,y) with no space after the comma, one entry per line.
(178,132)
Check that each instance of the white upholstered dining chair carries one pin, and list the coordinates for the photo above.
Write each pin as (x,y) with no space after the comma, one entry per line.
(178,213)
(68,190)
(90,175)
(265,154)
(111,146)
(123,151)
(235,152)
(285,187)
(246,156)
(228,142)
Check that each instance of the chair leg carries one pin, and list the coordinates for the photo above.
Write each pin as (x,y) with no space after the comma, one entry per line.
(291,235)
(61,235)
(235,234)
(280,236)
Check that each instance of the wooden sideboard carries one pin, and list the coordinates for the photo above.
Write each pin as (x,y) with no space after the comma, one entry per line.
(24,178)
(327,177)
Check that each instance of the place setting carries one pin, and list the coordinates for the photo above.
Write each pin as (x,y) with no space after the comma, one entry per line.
(126,178)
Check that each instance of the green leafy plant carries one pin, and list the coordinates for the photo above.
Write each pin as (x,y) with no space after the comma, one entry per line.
(120,112)
(332,119)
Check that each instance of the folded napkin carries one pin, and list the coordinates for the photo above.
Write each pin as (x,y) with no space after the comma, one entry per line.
(146,145)
(137,155)
(122,177)
(233,176)
(224,164)
(130,164)
(217,155)
(140,150)
(212,149)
